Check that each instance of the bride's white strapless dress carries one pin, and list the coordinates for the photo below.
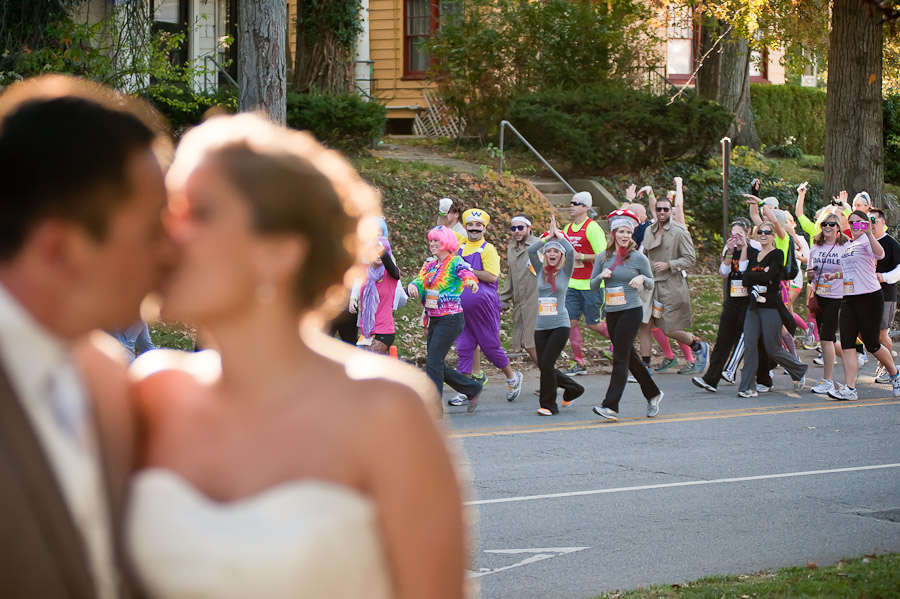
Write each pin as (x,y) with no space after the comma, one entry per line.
(300,539)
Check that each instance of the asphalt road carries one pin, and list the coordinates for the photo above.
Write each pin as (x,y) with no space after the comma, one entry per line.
(572,506)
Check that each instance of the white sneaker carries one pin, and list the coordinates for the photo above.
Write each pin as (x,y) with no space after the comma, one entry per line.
(895,382)
(800,383)
(821,361)
(845,393)
(861,360)
(459,399)
(762,388)
(823,388)
(514,389)
(882,375)
(631,378)
(727,377)
(748,393)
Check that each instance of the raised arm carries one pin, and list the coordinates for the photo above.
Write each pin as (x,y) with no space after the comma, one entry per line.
(753,206)
(678,204)
(780,232)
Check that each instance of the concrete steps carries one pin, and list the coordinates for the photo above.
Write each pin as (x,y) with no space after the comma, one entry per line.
(559,196)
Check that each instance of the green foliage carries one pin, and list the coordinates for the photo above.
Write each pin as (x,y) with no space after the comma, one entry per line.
(784,151)
(344,121)
(340,18)
(602,126)
(790,115)
(494,49)
(703,190)
(184,108)
(892,139)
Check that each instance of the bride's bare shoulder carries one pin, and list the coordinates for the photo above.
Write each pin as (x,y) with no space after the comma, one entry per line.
(163,375)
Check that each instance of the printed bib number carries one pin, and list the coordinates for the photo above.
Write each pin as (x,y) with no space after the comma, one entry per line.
(657,309)
(615,296)
(823,288)
(431,299)
(547,306)
(848,287)
(738,289)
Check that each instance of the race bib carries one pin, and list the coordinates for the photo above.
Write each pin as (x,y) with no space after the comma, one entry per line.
(848,286)
(579,263)
(657,309)
(823,288)
(615,296)
(364,341)
(738,289)
(431,298)
(547,306)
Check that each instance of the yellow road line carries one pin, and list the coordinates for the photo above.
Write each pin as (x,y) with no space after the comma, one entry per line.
(695,417)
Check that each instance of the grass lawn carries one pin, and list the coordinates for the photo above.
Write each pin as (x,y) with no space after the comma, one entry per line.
(867,577)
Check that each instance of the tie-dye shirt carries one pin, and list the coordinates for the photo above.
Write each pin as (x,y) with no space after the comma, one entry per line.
(447,278)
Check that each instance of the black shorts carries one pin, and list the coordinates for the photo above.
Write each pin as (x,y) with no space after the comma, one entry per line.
(861,316)
(827,318)
(386,338)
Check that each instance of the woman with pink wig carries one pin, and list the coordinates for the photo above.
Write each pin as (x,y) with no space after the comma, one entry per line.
(440,283)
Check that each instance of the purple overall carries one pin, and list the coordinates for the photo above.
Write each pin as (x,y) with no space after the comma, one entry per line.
(482,313)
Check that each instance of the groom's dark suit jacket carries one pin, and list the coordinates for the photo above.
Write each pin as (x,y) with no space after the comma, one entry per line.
(42,555)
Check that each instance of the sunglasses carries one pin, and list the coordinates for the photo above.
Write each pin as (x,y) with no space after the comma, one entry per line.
(517,228)
(829,224)
(575,204)
(662,209)
(765,232)
(872,219)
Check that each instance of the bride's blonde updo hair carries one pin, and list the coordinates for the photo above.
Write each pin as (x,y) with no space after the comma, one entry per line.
(293,184)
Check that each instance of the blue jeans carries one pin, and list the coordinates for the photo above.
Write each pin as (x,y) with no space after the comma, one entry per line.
(442,333)
(135,338)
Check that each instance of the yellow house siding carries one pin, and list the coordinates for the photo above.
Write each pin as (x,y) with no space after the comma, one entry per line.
(386,50)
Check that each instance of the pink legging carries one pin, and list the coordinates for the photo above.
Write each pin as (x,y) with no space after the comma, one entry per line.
(663,342)
(577,341)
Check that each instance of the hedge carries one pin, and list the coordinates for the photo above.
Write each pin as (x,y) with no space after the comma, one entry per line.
(602,126)
(790,115)
(346,122)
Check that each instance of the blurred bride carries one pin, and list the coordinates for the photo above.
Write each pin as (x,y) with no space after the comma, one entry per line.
(285,463)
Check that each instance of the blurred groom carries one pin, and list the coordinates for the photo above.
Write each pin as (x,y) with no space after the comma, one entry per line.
(81,244)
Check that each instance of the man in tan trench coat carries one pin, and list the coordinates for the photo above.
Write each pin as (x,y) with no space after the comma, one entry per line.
(671,252)
(521,286)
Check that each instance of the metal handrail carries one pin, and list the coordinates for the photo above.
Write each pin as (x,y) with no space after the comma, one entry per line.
(219,68)
(504,124)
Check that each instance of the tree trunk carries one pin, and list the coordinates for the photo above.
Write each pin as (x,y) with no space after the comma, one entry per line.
(854,156)
(709,72)
(322,64)
(735,91)
(261,51)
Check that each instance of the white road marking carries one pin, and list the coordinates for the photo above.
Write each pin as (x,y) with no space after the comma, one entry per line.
(540,555)
(689,483)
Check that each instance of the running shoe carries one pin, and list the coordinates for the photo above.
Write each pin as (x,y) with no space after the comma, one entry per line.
(607,354)
(861,360)
(701,358)
(570,396)
(480,378)
(698,380)
(823,388)
(727,377)
(473,403)
(611,415)
(844,393)
(544,412)
(576,370)
(666,364)
(821,361)
(457,400)
(748,393)
(760,388)
(689,368)
(882,375)
(653,405)
(631,379)
(895,382)
(514,389)
(800,383)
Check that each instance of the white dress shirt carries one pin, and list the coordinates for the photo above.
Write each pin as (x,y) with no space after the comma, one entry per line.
(39,366)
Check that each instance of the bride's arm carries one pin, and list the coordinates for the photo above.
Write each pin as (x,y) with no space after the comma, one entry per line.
(415,487)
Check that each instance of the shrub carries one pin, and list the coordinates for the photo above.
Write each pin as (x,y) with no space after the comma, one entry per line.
(603,126)
(184,108)
(892,139)
(346,122)
(784,151)
(790,115)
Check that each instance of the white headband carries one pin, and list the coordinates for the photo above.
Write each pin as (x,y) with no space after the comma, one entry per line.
(520,219)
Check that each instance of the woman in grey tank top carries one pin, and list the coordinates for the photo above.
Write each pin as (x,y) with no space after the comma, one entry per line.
(625,271)
(552,327)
